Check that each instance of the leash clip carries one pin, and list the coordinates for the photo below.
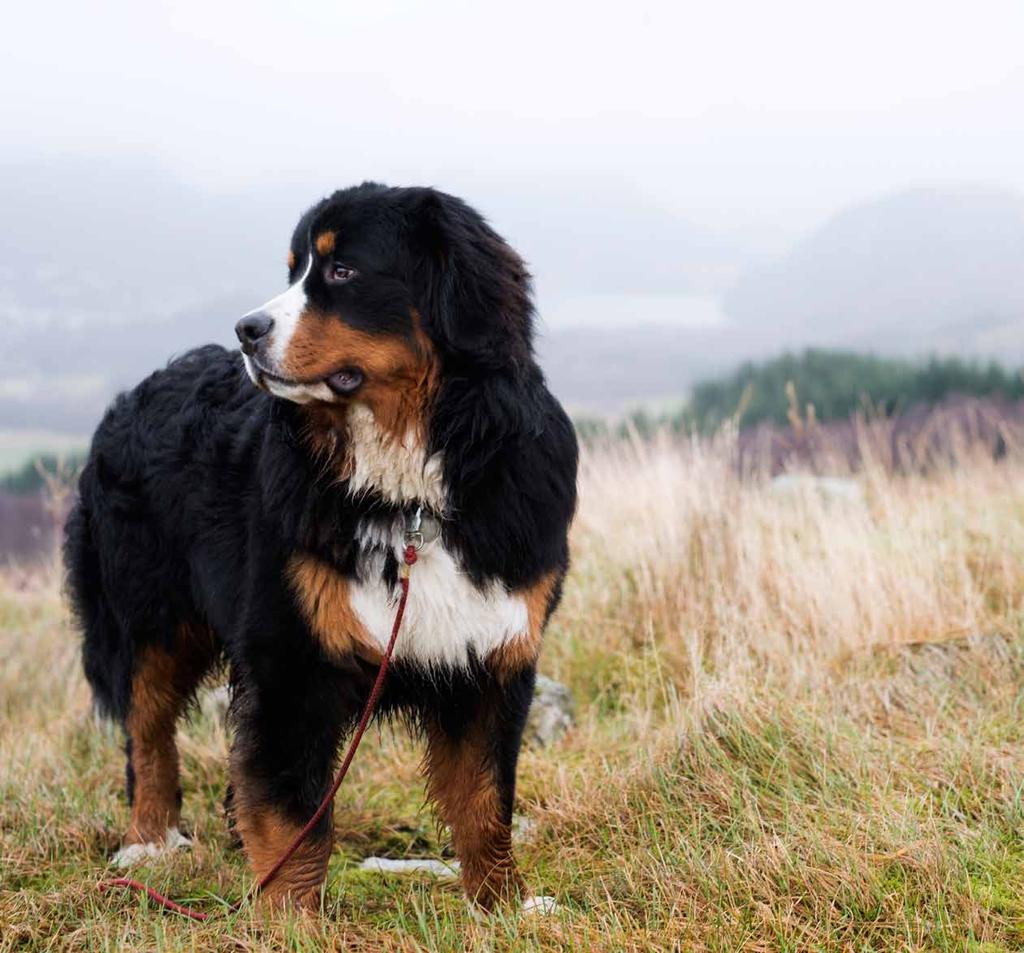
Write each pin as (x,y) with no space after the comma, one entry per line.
(421,528)
(414,528)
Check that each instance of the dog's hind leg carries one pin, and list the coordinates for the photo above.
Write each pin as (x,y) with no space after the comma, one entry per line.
(163,681)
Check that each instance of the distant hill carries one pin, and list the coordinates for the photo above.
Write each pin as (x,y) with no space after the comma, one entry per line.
(824,393)
(107,269)
(837,384)
(927,270)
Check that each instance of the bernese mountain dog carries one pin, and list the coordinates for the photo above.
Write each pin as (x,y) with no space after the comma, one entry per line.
(251,507)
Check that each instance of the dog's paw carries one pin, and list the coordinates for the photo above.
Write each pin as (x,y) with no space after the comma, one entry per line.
(132,854)
(541,906)
(531,907)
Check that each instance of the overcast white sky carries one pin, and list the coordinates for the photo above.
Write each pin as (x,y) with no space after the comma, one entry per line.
(756,116)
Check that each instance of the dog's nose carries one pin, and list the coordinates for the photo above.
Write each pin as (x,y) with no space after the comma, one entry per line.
(251,328)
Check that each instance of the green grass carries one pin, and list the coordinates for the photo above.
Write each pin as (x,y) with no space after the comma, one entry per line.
(744,774)
(841,817)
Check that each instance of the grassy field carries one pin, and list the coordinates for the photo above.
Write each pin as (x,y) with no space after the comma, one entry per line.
(800,728)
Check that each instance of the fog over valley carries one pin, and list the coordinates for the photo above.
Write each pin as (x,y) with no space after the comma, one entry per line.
(693,192)
(635,302)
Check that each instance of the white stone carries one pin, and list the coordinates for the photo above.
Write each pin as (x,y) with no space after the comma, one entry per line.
(214,702)
(542,906)
(387,865)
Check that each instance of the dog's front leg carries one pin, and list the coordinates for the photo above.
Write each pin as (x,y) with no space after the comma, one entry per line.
(472,752)
(287,727)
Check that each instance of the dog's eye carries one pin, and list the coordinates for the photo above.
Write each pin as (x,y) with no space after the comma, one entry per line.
(338,274)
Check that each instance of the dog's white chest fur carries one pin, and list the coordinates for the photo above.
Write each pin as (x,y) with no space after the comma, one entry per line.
(447,617)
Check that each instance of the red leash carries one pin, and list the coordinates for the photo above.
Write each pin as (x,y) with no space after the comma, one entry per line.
(371,703)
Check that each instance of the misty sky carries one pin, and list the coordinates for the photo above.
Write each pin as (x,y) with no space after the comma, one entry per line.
(761,118)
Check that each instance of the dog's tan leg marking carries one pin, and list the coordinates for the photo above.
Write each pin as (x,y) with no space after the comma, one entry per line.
(266,834)
(461,781)
(161,686)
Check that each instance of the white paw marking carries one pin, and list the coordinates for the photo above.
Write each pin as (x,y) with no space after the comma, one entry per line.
(540,906)
(132,854)
(476,912)
(532,907)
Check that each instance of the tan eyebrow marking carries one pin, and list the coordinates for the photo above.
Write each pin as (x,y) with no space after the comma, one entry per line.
(325,242)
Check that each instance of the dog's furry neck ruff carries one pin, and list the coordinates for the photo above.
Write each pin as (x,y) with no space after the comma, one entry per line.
(397,468)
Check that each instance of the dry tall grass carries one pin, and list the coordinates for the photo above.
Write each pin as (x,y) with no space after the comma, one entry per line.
(739,582)
(799,728)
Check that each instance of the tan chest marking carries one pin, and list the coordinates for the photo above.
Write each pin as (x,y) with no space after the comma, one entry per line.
(517,653)
(324,599)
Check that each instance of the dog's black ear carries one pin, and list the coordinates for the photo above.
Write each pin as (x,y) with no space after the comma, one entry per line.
(473,290)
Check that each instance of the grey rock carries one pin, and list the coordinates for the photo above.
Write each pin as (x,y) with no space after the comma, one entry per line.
(831,488)
(553,712)
(524,829)
(214,701)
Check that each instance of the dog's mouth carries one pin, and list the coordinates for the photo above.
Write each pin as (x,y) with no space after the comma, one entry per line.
(342,383)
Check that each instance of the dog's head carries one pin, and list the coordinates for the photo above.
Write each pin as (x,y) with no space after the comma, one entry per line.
(389,288)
